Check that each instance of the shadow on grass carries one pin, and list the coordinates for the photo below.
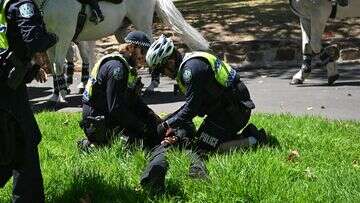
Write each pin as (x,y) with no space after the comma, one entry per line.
(39,96)
(92,187)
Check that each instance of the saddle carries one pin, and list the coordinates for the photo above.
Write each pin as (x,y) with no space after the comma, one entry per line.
(110,1)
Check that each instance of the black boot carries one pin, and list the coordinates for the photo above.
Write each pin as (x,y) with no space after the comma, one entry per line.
(96,14)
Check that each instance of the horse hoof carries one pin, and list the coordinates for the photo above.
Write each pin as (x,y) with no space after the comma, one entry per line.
(332,79)
(296,81)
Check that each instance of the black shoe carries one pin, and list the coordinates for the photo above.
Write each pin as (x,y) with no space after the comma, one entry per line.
(154,180)
(85,145)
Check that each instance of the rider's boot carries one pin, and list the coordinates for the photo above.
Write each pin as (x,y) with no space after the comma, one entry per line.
(96,14)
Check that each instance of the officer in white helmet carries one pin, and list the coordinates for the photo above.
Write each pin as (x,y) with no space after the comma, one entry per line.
(212,88)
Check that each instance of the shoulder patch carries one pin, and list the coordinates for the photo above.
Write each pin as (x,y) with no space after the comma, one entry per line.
(187,75)
(26,10)
(118,74)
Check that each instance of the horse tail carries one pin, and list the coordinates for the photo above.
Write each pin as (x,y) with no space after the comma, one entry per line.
(171,16)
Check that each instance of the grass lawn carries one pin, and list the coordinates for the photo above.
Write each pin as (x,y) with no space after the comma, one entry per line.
(326,169)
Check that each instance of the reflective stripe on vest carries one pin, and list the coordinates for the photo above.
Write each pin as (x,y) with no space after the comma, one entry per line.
(132,74)
(4,44)
(224,74)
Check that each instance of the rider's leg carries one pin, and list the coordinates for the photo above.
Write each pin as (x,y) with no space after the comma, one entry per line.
(96,14)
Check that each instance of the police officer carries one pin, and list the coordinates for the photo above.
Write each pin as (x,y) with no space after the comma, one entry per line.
(111,101)
(23,44)
(211,88)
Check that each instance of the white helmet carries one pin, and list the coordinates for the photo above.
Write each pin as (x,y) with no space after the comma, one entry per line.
(159,50)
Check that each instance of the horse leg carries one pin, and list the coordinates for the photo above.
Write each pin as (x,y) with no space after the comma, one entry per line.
(328,55)
(60,88)
(84,50)
(305,69)
(328,59)
(70,64)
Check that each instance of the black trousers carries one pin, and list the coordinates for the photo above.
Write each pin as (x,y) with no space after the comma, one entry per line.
(24,166)
(27,182)
(220,126)
(104,132)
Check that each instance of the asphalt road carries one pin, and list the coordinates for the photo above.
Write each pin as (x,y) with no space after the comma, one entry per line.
(269,88)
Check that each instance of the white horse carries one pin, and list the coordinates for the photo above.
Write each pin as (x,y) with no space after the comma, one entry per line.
(313,16)
(61,18)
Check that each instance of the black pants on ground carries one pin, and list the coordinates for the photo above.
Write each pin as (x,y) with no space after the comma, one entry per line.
(24,166)
(220,126)
(104,132)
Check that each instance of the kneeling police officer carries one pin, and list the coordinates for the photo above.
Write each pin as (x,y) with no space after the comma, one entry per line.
(111,101)
(212,88)
(23,44)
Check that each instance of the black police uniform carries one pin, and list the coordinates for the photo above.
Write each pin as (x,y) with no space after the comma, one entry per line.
(26,35)
(121,108)
(228,111)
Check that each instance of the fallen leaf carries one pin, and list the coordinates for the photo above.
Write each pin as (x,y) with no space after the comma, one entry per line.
(310,173)
(355,164)
(294,154)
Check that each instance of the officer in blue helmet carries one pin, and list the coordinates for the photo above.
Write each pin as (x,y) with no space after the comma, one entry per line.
(213,89)
(23,44)
(111,100)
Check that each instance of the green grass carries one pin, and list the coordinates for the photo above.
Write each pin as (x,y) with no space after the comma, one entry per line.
(327,169)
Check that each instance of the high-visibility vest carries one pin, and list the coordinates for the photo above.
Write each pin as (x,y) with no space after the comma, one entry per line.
(132,75)
(4,44)
(224,74)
